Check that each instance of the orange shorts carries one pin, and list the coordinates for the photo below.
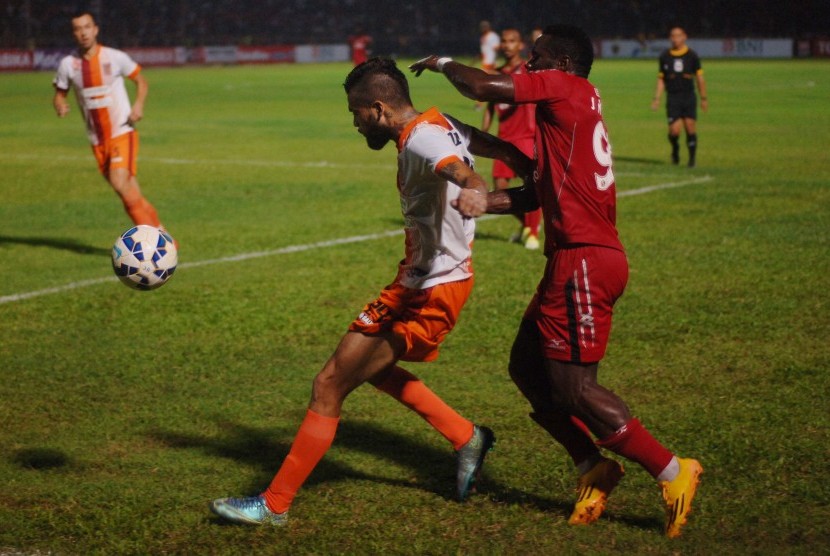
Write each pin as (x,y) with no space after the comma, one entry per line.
(118,152)
(421,318)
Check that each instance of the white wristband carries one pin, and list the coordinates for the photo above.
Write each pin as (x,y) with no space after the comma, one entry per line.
(439,65)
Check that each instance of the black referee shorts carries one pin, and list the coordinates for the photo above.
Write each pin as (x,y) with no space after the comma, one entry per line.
(681,105)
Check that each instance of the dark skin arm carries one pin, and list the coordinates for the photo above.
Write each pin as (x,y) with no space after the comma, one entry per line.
(516,200)
(471,82)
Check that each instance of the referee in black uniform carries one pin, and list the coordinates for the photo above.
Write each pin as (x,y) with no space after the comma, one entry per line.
(679,69)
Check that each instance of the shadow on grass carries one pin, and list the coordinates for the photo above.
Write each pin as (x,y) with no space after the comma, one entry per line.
(259,449)
(40,459)
(430,469)
(56,243)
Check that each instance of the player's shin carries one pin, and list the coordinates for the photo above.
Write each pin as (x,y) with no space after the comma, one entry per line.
(313,440)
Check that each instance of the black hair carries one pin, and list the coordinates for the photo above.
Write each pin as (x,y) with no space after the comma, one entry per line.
(574,42)
(81,13)
(380,79)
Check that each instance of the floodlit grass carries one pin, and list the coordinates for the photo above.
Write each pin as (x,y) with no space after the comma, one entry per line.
(123,413)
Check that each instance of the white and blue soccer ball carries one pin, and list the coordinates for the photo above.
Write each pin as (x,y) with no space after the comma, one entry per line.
(144,257)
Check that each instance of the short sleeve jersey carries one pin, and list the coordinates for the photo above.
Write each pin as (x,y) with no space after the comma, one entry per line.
(516,121)
(99,88)
(574,176)
(438,238)
(678,69)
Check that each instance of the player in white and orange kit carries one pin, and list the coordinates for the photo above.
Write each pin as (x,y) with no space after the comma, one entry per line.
(96,73)
(440,193)
(565,329)
(489,42)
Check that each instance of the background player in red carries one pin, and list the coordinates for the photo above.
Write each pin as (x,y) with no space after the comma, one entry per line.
(96,73)
(517,125)
(440,194)
(680,69)
(360,44)
(562,338)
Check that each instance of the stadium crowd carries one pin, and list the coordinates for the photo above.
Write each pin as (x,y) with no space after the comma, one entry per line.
(406,27)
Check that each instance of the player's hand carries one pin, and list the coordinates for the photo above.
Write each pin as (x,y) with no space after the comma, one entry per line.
(62,109)
(136,114)
(655,104)
(470,203)
(704,104)
(429,63)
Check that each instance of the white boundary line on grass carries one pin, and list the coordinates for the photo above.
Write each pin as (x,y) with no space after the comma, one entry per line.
(307,247)
(316,164)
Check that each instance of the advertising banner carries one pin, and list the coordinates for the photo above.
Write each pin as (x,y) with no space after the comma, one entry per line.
(277,54)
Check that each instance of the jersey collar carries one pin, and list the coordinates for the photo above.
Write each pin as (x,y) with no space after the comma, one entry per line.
(431,116)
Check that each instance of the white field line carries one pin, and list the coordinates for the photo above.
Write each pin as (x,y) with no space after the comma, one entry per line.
(306,247)
(316,164)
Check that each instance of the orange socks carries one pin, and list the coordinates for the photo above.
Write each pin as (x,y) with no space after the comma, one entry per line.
(310,445)
(407,389)
(142,212)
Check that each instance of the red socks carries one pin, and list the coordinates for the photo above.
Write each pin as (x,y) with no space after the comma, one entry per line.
(634,442)
(407,389)
(310,445)
(532,220)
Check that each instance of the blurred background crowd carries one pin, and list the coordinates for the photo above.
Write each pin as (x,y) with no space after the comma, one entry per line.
(404,27)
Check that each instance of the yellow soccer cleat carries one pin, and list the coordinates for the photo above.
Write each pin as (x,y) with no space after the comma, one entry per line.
(532,242)
(679,494)
(594,488)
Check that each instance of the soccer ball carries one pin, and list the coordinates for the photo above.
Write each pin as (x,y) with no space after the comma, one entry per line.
(144,257)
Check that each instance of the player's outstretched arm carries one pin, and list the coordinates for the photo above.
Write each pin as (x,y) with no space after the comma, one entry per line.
(470,82)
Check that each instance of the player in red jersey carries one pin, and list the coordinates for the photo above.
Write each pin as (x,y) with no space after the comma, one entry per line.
(97,73)
(517,125)
(563,335)
(360,44)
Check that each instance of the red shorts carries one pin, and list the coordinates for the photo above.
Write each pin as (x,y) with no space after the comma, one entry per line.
(502,170)
(117,152)
(574,302)
(421,318)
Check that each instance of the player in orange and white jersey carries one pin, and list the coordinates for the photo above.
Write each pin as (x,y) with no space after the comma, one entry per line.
(96,74)
(489,43)
(440,194)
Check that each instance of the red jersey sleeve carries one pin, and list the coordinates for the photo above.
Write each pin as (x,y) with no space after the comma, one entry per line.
(548,85)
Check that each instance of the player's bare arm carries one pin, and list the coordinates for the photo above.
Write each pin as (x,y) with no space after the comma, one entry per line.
(137,111)
(472,201)
(471,82)
(658,92)
(490,146)
(701,88)
(487,119)
(60,103)
(515,200)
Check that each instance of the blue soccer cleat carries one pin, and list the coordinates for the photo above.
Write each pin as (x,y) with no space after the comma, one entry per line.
(471,458)
(251,510)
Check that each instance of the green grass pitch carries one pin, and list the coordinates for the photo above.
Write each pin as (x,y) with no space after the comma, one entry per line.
(123,413)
